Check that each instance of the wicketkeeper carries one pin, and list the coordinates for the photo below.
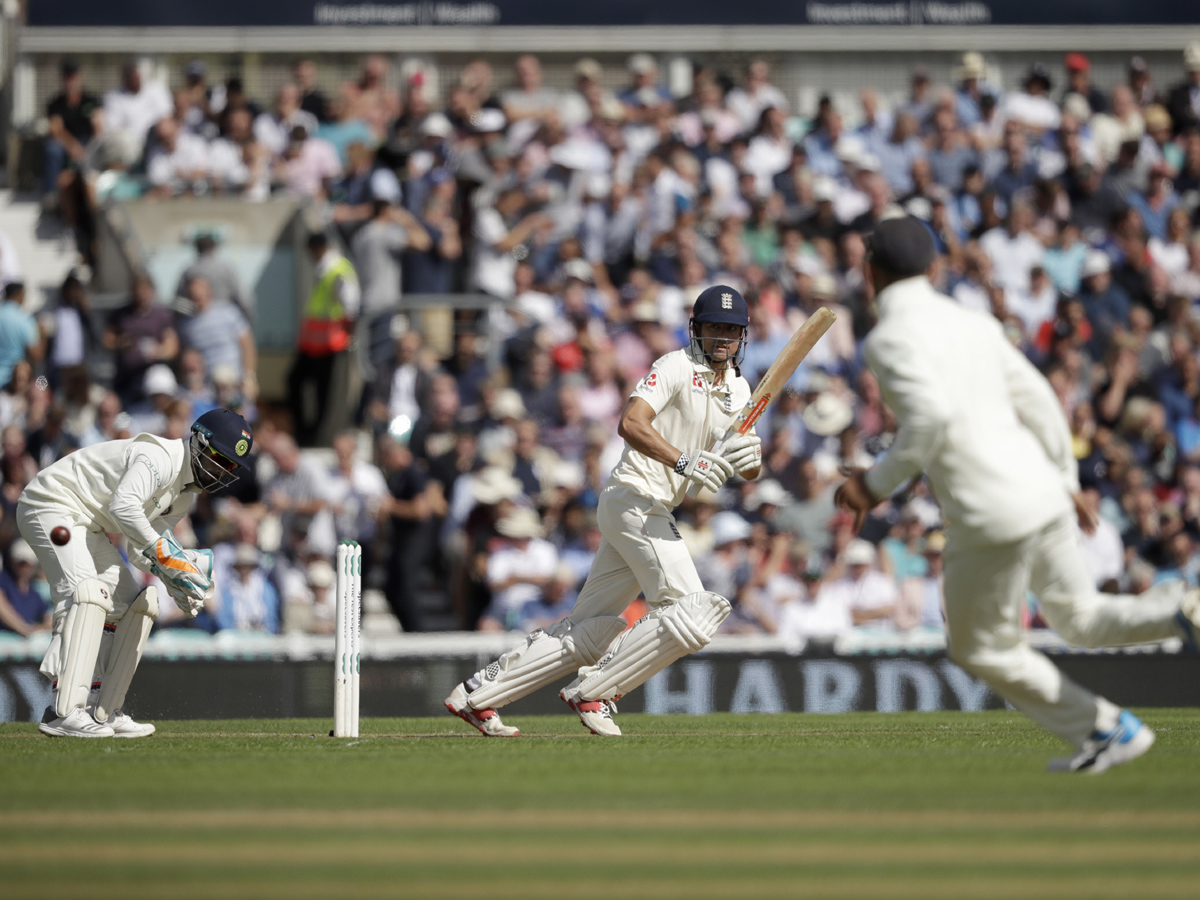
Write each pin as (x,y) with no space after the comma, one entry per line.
(671,425)
(140,487)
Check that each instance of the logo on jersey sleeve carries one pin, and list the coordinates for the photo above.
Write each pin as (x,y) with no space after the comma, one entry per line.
(648,384)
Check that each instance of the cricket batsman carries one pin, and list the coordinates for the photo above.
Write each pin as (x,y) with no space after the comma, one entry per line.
(671,424)
(139,487)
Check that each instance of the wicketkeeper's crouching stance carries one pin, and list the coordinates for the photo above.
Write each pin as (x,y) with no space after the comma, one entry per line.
(670,424)
(140,487)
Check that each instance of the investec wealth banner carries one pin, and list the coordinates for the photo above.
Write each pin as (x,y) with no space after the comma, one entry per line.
(327,13)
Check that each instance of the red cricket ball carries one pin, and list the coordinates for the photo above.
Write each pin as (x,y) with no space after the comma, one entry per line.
(60,534)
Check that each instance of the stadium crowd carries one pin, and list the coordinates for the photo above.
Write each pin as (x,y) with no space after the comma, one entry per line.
(1064,208)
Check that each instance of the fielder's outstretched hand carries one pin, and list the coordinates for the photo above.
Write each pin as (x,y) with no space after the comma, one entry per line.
(708,470)
(743,452)
(854,495)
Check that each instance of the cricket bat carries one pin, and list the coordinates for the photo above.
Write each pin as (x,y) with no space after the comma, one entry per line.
(773,380)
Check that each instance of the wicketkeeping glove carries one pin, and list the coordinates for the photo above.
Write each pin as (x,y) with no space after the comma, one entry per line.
(743,452)
(707,469)
(186,573)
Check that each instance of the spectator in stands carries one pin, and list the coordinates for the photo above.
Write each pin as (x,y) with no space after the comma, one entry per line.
(1079,82)
(140,334)
(73,117)
(1013,248)
(432,270)
(308,166)
(224,283)
(518,571)
(238,163)
(377,250)
(312,100)
(23,610)
(69,327)
(371,98)
(130,111)
(1183,100)
(811,610)
(354,489)
(20,337)
(870,594)
(248,601)
(410,507)
(919,603)
(273,130)
(298,490)
(160,390)
(177,162)
(1157,203)
(220,332)
(110,423)
(756,94)
(529,99)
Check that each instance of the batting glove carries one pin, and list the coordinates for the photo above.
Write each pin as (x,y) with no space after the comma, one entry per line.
(743,452)
(707,469)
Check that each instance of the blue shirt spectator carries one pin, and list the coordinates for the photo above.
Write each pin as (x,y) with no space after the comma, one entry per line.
(218,330)
(22,608)
(1156,204)
(248,600)
(19,334)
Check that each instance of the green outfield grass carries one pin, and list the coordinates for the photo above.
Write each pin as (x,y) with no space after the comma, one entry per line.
(951,805)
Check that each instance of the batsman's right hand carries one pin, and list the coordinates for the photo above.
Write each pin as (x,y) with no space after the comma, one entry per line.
(709,470)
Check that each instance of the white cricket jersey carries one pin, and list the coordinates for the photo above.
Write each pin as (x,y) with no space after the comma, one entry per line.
(690,413)
(137,487)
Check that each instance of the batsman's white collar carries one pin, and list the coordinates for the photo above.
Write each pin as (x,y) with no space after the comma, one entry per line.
(696,358)
(896,291)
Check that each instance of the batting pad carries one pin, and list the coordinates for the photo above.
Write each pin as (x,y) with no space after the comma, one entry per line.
(546,656)
(82,629)
(125,652)
(653,643)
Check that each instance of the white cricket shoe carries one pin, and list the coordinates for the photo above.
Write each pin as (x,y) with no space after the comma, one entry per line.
(77,723)
(596,715)
(486,720)
(123,726)
(1103,750)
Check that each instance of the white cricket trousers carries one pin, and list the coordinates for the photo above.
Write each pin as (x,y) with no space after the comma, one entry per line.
(640,551)
(985,590)
(87,555)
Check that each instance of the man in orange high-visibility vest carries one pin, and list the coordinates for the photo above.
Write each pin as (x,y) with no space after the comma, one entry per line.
(325,331)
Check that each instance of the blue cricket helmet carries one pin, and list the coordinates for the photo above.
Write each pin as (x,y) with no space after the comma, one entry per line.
(723,305)
(719,305)
(220,442)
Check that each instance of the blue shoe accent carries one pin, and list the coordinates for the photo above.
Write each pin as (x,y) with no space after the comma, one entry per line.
(1190,639)
(1128,725)
(1105,749)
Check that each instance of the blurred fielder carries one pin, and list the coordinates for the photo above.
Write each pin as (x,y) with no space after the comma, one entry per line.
(139,487)
(986,428)
(670,424)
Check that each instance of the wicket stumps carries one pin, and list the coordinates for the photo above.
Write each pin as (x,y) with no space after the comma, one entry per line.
(347,639)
